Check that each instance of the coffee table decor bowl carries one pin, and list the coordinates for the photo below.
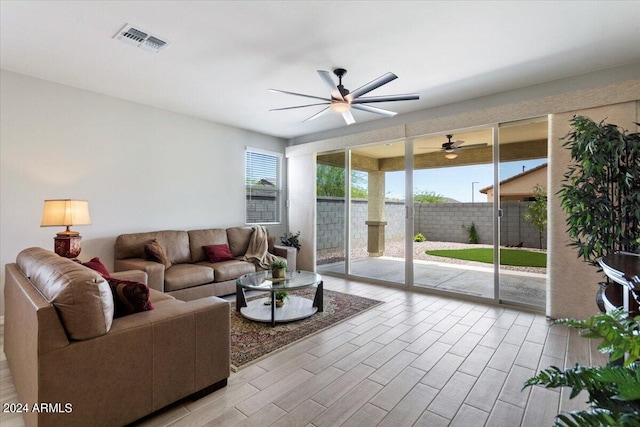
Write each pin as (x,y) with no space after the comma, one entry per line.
(265,309)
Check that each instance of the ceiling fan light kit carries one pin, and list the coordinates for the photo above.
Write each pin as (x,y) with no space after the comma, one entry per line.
(340,106)
(342,101)
(452,148)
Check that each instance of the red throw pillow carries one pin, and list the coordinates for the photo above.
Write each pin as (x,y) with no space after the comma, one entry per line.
(155,252)
(217,253)
(97,265)
(129,297)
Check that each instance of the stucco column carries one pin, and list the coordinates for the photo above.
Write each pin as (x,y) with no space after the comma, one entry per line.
(375,218)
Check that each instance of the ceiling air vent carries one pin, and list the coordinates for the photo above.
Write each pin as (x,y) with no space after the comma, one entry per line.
(141,39)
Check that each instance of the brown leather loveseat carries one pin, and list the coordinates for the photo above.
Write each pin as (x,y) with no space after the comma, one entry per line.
(69,355)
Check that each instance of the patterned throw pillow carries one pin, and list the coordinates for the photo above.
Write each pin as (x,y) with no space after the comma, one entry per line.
(218,253)
(155,252)
(129,297)
(97,265)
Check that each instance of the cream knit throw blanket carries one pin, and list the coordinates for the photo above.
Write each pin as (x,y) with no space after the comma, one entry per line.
(257,252)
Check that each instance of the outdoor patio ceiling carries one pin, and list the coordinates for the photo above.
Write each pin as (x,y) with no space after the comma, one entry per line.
(527,141)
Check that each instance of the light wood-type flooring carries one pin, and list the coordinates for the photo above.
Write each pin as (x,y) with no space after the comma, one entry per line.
(416,360)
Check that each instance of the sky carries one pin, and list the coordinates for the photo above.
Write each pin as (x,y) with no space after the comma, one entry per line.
(456,182)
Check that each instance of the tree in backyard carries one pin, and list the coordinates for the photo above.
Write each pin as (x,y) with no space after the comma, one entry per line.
(330,182)
(536,212)
(425,196)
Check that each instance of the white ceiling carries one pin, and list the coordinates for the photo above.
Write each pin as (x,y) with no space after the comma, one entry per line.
(225,55)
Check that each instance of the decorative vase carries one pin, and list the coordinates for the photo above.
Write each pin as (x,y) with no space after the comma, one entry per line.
(278,273)
(279,302)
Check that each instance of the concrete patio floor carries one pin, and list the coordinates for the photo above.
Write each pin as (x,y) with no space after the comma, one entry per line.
(515,286)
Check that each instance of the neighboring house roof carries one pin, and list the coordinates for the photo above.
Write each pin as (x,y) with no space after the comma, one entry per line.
(514,177)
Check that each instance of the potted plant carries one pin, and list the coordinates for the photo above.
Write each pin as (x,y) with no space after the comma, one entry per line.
(278,269)
(280,297)
(614,390)
(292,240)
(600,189)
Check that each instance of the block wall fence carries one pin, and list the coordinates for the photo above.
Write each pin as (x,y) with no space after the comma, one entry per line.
(437,221)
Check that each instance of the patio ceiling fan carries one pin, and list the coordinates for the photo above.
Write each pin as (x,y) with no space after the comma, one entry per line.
(452,148)
(341,100)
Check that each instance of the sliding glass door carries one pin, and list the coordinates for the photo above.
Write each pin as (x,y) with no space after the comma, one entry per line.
(522,198)
(453,221)
(454,213)
(371,242)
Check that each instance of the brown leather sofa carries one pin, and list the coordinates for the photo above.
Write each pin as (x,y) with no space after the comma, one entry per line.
(69,355)
(191,275)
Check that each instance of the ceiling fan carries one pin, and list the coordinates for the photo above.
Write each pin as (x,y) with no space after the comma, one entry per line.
(452,148)
(341,100)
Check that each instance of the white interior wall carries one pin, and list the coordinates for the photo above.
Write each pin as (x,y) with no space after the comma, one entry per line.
(140,168)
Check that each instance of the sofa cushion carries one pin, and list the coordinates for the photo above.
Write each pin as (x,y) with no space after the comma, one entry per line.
(174,243)
(81,296)
(97,265)
(181,276)
(218,253)
(230,270)
(155,252)
(200,238)
(129,297)
(239,238)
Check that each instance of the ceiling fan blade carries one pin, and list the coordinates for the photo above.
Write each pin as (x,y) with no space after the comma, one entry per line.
(466,147)
(318,114)
(333,88)
(348,117)
(456,144)
(375,110)
(382,80)
(299,106)
(387,98)
(299,94)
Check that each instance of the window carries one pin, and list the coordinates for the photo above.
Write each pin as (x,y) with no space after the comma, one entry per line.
(262,178)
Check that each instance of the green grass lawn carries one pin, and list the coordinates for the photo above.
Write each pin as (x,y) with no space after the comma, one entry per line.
(518,257)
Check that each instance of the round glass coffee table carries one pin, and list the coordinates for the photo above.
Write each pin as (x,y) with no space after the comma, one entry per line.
(265,310)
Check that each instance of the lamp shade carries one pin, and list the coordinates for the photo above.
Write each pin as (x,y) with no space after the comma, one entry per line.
(65,212)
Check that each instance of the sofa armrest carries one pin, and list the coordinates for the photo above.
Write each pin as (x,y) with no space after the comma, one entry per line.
(154,270)
(132,275)
(288,253)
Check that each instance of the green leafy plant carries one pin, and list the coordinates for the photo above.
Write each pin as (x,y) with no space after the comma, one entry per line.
(423,196)
(330,181)
(419,238)
(601,189)
(473,233)
(614,390)
(281,295)
(292,240)
(278,264)
(536,212)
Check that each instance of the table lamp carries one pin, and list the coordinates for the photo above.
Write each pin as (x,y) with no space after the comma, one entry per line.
(66,212)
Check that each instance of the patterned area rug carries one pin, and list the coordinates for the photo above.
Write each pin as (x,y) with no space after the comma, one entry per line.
(252,341)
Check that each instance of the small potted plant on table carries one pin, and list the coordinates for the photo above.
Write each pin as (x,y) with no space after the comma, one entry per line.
(278,269)
(280,297)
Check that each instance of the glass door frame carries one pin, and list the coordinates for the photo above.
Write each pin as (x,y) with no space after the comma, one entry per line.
(409,219)
(410,227)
